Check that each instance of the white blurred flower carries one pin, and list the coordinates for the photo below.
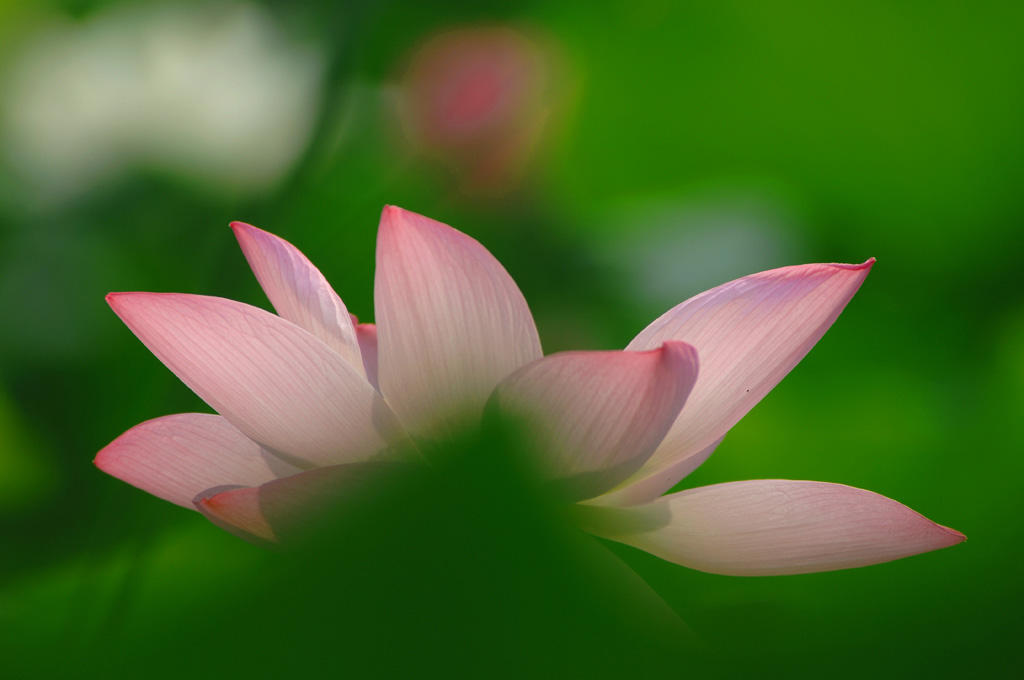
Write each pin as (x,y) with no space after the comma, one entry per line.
(214,91)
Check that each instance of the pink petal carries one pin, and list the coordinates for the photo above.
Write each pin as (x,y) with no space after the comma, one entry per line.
(767,527)
(366,333)
(298,291)
(452,323)
(177,457)
(287,509)
(272,380)
(749,333)
(593,418)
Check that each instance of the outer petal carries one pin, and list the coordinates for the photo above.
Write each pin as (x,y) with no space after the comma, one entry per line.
(750,333)
(298,291)
(593,418)
(275,382)
(178,457)
(451,323)
(287,509)
(767,527)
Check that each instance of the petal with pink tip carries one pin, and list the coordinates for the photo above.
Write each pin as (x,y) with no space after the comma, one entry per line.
(298,291)
(451,323)
(750,333)
(272,380)
(593,418)
(287,510)
(178,457)
(768,527)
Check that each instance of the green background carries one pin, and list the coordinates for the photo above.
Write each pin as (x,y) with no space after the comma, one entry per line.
(684,144)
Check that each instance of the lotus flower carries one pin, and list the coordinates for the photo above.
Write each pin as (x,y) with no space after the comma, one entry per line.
(314,405)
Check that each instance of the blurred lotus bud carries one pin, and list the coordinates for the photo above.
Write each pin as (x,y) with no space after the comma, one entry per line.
(479,99)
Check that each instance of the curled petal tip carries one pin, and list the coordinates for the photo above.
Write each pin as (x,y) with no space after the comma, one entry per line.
(393,218)
(955,537)
(398,220)
(127,301)
(242,519)
(866,264)
(117,299)
(208,500)
(679,348)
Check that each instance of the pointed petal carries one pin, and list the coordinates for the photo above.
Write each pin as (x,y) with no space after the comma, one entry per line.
(766,527)
(451,323)
(366,333)
(179,456)
(298,291)
(272,380)
(288,509)
(593,418)
(750,333)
